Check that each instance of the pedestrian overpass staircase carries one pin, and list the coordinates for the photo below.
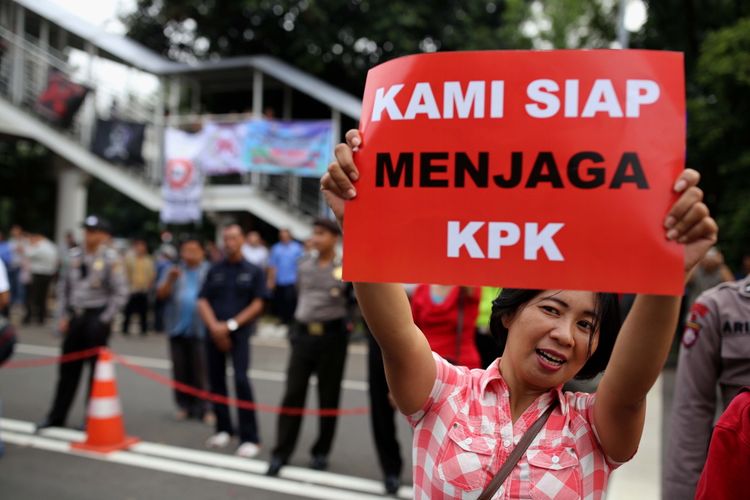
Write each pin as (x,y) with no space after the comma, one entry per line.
(28,54)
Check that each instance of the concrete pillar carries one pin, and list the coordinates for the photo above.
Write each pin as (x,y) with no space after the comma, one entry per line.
(42,65)
(175,86)
(295,182)
(623,35)
(220,221)
(87,115)
(257,93)
(195,96)
(17,81)
(5,15)
(335,138)
(294,191)
(255,177)
(62,39)
(91,53)
(155,172)
(72,191)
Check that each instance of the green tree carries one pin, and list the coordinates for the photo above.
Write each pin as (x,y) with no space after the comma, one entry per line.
(340,40)
(714,38)
(27,186)
(720,131)
(572,24)
(684,24)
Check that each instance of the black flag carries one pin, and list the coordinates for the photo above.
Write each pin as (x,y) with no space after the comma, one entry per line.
(61,99)
(119,141)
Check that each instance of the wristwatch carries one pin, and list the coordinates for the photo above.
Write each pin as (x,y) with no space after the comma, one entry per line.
(232,324)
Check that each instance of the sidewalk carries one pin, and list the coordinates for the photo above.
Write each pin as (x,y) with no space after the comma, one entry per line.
(641,477)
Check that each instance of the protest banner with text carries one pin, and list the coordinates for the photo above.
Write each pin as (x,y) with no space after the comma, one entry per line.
(520,169)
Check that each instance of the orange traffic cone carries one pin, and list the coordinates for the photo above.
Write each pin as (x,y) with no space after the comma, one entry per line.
(105,430)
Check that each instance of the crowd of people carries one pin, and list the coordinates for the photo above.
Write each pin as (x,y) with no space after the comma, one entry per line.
(208,299)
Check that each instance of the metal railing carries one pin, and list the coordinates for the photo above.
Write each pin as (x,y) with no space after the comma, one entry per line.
(25,55)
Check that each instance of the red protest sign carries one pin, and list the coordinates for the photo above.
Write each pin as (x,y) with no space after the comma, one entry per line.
(520,169)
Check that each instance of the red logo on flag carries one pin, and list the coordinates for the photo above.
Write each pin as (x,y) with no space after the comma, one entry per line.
(179,172)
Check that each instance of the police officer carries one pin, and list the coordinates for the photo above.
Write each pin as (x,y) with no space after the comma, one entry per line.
(91,291)
(715,350)
(319,338)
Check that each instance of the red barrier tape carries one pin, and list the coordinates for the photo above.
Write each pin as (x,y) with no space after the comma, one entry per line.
(238,403)
(65,358)
(184,388)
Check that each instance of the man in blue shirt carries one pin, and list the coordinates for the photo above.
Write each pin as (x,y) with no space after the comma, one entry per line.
(230,301)
(282,276)
(165,257)
(179,288)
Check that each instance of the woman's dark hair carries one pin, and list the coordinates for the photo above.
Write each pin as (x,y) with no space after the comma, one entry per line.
(607,322)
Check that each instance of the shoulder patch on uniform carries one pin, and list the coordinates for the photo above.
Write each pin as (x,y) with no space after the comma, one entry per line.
(699,310)
(690,335)
(692,326)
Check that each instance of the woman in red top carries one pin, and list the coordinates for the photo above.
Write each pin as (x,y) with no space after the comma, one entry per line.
(436,312)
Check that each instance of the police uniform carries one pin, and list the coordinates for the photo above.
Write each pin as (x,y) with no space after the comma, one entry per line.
(715,351)
(90,292)
(319,339)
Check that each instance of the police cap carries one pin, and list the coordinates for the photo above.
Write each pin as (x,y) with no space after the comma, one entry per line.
(97,223)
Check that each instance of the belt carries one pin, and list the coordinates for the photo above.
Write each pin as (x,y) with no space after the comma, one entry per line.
(82,311)
(318,328)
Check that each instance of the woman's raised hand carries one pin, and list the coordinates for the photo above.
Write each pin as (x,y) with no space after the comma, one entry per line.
(338,183)
(689,221)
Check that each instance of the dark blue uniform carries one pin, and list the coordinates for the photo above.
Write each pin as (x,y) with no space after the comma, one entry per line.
(229,288)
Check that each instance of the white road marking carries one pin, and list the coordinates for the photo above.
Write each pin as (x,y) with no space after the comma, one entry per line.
(165,364)
(205,465)
(259,467)
(261,340)
(9,424)
(62,433)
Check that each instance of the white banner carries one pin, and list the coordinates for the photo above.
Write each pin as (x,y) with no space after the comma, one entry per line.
(183,181)
(222,151)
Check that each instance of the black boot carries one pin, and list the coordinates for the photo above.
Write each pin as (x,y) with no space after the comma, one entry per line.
(274,466)
(392,484)
(319,462)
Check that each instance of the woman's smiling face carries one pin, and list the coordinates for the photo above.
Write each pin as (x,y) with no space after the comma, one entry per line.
(551,337)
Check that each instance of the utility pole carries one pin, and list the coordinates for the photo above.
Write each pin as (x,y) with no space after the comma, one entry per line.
(623,35)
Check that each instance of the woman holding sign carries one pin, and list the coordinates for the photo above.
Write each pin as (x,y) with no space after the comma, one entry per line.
(510,431)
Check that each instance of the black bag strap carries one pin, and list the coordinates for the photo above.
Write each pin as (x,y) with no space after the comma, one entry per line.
(517,452)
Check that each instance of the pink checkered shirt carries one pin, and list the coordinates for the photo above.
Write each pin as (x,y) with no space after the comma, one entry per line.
(464,434)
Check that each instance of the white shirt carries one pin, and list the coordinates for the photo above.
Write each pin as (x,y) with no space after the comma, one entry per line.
(4,286)
(256,255)
(42,257)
